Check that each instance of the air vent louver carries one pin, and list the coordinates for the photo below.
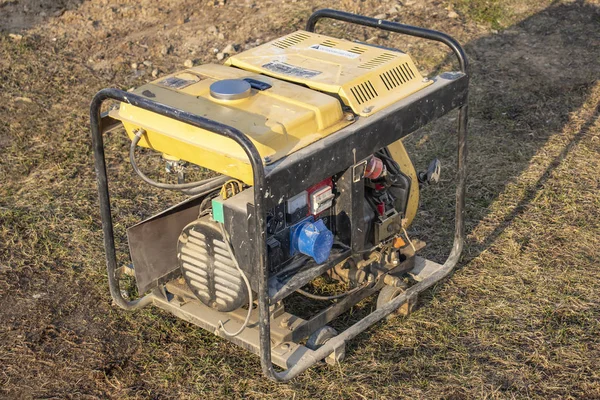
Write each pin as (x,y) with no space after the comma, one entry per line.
(329,43)
(208,268)
(290,40)
(397,76)
(363,92)
(380,59)
(357,50)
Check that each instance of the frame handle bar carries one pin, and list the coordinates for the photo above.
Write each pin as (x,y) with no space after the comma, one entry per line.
(391,26)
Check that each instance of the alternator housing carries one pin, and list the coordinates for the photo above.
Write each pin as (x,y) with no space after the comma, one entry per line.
(207,266)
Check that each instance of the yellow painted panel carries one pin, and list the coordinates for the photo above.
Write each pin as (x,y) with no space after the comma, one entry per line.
(400,155)
(367,78)
(279,121)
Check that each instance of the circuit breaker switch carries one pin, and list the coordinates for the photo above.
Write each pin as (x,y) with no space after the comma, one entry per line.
(321,199)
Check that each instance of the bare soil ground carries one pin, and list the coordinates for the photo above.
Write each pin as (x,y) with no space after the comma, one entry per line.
(519,319)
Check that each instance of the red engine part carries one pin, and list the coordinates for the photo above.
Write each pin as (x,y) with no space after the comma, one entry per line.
(375,168)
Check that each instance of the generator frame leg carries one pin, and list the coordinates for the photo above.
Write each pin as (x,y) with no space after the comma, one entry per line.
(260,191)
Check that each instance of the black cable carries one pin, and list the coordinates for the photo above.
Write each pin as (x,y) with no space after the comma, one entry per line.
(205,205)
(189,188)
(200,190)
(392,165)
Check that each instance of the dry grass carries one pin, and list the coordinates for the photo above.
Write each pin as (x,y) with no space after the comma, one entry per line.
(519,319)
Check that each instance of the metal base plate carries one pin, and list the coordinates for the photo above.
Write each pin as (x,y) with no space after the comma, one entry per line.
(285,353)
(285,327)
(423,268)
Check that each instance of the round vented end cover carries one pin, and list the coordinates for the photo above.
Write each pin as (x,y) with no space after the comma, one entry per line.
(207,266)
(230,89)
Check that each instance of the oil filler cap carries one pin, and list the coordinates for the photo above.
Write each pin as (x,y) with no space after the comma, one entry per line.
(230,89)
(312,239)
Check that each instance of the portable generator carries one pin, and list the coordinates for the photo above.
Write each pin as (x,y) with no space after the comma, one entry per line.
(304,135)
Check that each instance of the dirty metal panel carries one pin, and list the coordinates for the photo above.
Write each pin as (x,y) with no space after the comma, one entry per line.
(153,243)
(284,354)
(423,268)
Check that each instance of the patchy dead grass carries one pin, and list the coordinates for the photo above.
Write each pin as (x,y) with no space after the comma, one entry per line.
(521,316)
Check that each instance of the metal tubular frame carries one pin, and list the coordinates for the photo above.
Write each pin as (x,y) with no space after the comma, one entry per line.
(103,192)
(459,233)
(259,183)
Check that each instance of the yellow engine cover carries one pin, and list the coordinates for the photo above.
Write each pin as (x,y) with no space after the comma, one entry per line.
(367,78)
(312,78)
(279,121)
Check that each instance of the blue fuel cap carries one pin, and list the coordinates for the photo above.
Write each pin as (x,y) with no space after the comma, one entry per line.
(312,239)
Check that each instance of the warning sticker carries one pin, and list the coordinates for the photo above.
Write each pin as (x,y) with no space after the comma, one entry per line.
(336,52)
(288,69)
(174,82)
